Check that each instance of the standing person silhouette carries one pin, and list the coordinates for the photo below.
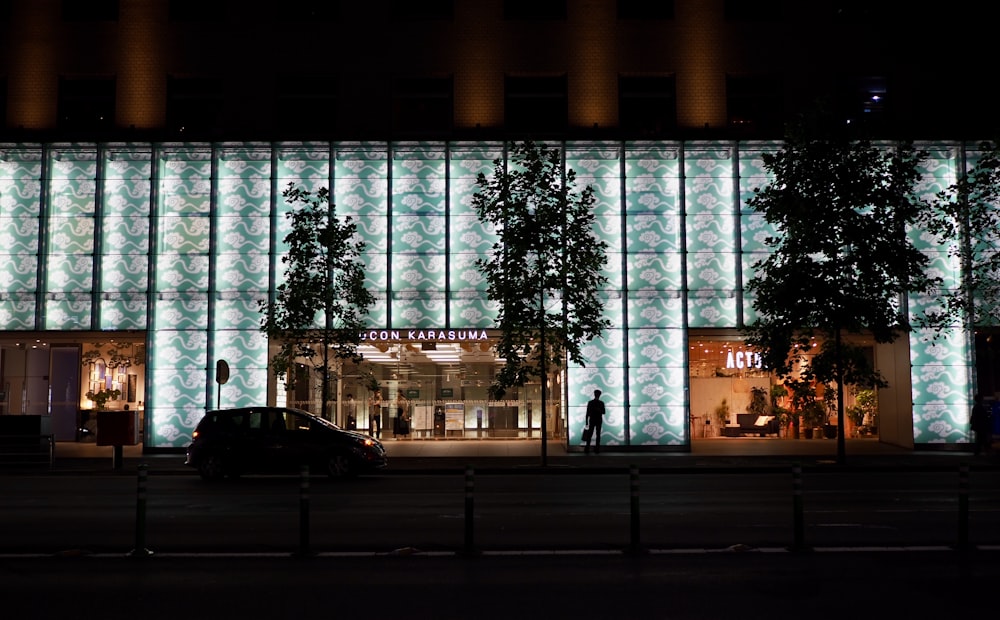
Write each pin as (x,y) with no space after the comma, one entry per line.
(402,423)
(981,424)
(595,418)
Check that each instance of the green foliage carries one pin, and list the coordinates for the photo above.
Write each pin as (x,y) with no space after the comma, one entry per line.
(783,415)
(814,414)
(318,312)
(758,401)
(102,397)
(842,258)
(865,405)
(805,403)
(545,270)
(967,223)
(722,413)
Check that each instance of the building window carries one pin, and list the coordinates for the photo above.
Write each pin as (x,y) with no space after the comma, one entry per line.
(306,105)
(645,9)
(534,9)
(647,105)
(90,10)
(535,104)
(755,105)
(307,10)
(422,105)
(86,104)
(757,11)
(193,105)
(408,10)
(863,101)
(197,10)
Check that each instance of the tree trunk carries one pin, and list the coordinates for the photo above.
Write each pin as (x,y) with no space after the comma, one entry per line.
(841,446)
(541,303)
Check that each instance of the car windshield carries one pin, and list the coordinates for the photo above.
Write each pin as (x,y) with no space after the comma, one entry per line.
(316,419)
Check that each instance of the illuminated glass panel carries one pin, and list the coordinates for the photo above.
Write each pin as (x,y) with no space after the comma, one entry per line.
(657,380)
(604,371)
(941,391)
(710,234)
(469,238)
(125,227)
(682,248)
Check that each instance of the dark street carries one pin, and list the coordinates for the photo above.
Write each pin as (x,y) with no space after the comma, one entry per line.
(822,586)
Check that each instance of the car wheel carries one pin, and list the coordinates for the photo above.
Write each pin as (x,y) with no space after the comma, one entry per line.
(340,466)
(212,468)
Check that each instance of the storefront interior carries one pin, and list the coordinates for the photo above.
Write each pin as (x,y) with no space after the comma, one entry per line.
(406,388)
(725,374)
(428,388)
(67,378)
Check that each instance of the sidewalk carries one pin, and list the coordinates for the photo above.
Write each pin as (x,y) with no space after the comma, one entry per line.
(418,456)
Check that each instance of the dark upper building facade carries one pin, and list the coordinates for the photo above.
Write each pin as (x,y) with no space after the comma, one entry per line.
(485,69)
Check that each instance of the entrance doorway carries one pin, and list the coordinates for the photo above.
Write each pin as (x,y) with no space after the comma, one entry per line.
(438,381)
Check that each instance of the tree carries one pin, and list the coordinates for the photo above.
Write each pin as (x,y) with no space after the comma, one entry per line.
(967,222)
(318,313)
(544,271)
(841,260)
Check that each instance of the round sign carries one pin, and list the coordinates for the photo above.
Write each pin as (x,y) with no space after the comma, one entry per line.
(221,372)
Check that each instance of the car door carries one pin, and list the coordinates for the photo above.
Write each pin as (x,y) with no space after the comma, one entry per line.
(232,439)
(278,453)
(304,442)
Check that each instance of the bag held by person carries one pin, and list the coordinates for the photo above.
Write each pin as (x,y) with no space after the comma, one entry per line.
(588,431)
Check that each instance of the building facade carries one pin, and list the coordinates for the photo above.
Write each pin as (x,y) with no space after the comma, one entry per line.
(146,144)
(171,247)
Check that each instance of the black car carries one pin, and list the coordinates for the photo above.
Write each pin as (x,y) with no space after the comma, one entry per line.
(230,442)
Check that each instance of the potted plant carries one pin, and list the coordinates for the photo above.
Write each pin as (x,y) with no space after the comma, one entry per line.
(782,415)
(805,407)
(864,412)
(830,430)
(102,397)
(813,416)
(722,415)
(758,401)
(758,407)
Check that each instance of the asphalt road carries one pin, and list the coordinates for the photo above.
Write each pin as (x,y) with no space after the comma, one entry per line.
(746,585)
(568,511)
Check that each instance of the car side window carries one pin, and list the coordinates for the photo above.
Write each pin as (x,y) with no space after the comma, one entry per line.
(223,423)
(278,422)
(298,423)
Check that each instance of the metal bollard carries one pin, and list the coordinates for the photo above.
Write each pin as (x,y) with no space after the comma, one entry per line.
(963,506)
(634,545)
(798,543)
(140,550)
(304,512)
(470,485)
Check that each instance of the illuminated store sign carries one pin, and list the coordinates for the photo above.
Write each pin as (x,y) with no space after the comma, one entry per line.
(744,359)
(424,335)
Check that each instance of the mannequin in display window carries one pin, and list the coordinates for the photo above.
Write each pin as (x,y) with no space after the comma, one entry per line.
(402,415)
(375,415)
(350,413)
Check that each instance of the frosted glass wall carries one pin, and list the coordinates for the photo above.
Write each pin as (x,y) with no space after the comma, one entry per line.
(184,240)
